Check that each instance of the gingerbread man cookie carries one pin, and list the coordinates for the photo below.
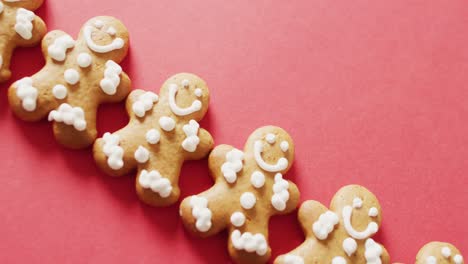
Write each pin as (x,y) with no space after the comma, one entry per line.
(249,188)
(162,133)
(439,253)
(341,234)
(78,76)
(19,26)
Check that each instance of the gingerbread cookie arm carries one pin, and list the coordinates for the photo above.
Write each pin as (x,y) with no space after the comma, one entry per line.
(216,160)
(123,89)
(81,133)
(204,146)
(38,31)
(6,51)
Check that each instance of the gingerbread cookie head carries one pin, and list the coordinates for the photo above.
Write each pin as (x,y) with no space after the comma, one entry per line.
(249,188)
(439,253)
(341,234)
(79,75)
(162,133)
(19,26)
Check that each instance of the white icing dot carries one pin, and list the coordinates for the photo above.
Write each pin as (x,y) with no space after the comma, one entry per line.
(111,31)
(98,24)
(458,259)
(238,219)
(431,260)
(198,92)
(167,123)
(192,140)
(84,60)
(257,179)
(141,154)
(27,93)
(113,151)
(154,181)
(281,193)
(58,49)
(373,251)
(249,242)
(248,200)
(59,91)
(185,83)
(284,146)
(71,76)
(201,213)
(357,202)
(69,115)
(446,252)
(153,136)
(233,164)
(349,246)
(144,103)
(270,138)
(338,260)
(373,212)
(325,224)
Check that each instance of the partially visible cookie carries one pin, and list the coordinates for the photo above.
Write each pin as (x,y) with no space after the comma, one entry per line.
(79,75)
(439,253)
(19,26)
(249,189)
(341,234)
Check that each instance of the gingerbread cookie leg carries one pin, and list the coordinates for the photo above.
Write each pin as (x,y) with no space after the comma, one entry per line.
(439,253)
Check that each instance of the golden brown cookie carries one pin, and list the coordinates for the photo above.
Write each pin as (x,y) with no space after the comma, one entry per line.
(79,75)
(249,188)
(19,27)
(162,133)
(439,253)
(341,234)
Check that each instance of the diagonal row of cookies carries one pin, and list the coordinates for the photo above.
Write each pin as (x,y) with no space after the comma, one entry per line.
(163,132)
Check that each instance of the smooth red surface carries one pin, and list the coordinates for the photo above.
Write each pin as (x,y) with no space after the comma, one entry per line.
(373,93)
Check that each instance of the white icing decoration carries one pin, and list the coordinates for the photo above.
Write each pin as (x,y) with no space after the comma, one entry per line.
(201,212)
(154,181)
(357,202)
(185,83)
(249,242)
(113,151)
(431,260)
(458,259)
(116,44)
(191,142)
(1,10)
(153,136)
(233,165)
(373,212)
(27,93)
(111,31)
(237,219)
(144,103)
(196,105)
(141,154)
(257,179)
(281,164)
(248,200)
(446,252)
(69,115)
(59,91)
(349,246)
(325,225)
(71,76)
(198,92)
(84,60)
(270,138)
(24,24)
(338,260)
(98,24)
(284,146)
(293,259)
(1,58)
(166,123)
(371,229)
(58,50)
(281,194)
(373,252)
(111,78)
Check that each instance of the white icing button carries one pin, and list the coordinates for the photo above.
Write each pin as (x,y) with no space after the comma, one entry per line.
(84,60)
(167,123)
(446,252)
(59,91)
(141,155)
(248,200)
(431,260)
(357,202)
(284,146)
(338,260)
(270,138)
(185,83)
(458,259)
(349,246)
(257,179)
(71,76)
(238,219)
(198,92)
(153,136)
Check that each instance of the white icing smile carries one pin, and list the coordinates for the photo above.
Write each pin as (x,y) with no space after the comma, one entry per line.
(280,165)
(371,229)
(196,105)
(116,44)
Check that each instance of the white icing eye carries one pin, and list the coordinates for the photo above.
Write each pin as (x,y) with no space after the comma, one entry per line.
(59,91)
(201,212)
(373,212)
(237,219)
(284,146)
(458,259)
(71,76)
(446,252)
(185,83)
(84,60)
(198,92)
(111,31)
(141,154)
(270,138)
(357,202)
(248,200)
(98,24)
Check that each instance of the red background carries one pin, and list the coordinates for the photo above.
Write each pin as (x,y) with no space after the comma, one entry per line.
(373,92)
